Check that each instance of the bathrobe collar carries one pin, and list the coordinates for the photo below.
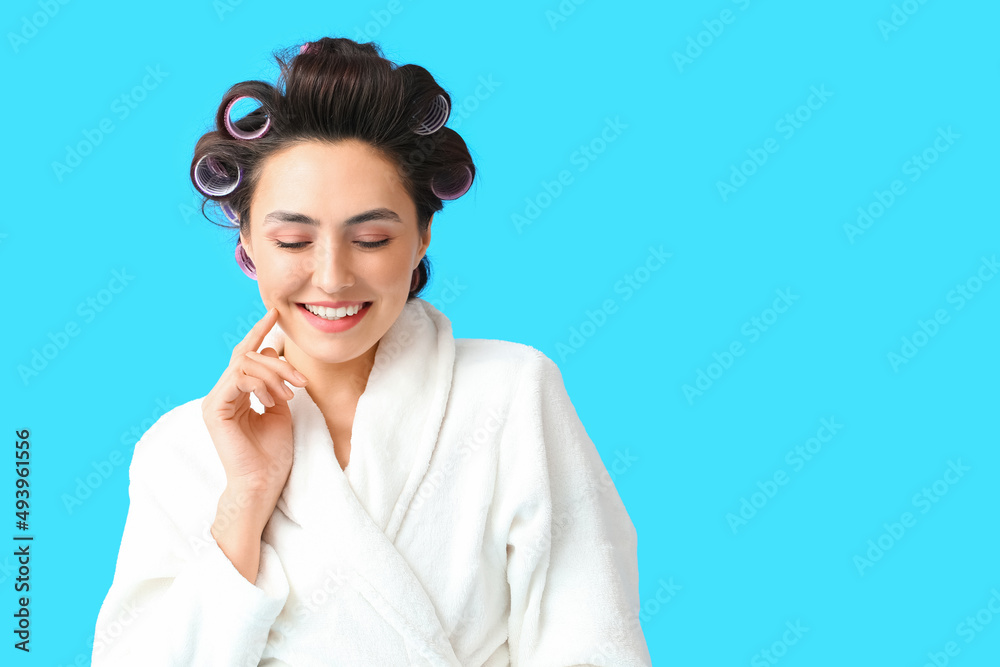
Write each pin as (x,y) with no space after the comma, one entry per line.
(395,428)
(354,515)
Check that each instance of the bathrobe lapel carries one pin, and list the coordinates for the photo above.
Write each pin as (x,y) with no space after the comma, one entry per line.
(356,516)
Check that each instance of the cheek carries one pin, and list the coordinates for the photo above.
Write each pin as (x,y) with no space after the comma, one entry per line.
(284,264)
(280,271)
(386,269)
(397,274)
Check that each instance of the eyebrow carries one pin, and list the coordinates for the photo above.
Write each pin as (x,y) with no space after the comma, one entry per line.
(276,217)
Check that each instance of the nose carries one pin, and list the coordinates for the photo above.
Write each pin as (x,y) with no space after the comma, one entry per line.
(331,271)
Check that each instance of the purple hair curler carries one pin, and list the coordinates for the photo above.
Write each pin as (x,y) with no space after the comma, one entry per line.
(304,48)
(213,179)
(230,214)
(243,259)
(241,134)
(436,116)
(455,189)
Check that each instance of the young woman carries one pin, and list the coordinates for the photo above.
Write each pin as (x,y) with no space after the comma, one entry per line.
(360,487)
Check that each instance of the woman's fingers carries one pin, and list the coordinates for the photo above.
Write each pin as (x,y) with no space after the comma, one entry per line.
(248,383)
(256,335)
(252,372)
(253,365)
(269,358)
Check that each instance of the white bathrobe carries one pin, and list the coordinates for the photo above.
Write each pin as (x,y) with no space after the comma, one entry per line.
(475,524)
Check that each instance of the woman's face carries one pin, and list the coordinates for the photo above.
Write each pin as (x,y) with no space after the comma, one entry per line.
(354,230)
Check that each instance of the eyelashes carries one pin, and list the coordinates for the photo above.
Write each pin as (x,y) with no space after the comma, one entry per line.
(363,244)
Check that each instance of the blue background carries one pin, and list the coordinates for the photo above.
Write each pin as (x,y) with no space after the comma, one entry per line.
(715,591)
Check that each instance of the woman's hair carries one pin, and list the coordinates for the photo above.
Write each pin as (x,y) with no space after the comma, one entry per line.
(335,89)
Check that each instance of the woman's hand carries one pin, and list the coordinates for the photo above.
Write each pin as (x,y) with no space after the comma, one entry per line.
(255,449)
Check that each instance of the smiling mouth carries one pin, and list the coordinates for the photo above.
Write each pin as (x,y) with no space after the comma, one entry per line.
(334,314)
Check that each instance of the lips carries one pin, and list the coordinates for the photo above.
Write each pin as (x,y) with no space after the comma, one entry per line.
(335,304)
(335,313)
(339,324)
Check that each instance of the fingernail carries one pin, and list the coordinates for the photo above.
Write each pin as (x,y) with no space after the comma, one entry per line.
(299,376)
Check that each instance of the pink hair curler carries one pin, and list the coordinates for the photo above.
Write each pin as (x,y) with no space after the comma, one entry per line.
(453,189)
(436,117)
(242,134)
(230,214)
(212,177)
(243,259)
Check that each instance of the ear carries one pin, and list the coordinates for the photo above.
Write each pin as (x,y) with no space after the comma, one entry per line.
(425,240)
(246,246)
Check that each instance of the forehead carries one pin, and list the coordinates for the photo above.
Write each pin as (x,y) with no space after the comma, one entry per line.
(325,179)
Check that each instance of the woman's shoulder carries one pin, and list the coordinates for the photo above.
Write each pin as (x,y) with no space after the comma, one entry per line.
(498,356)
(503,364)
(177,445)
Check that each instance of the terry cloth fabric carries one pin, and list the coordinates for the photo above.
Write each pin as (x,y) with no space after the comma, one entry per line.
(475,524)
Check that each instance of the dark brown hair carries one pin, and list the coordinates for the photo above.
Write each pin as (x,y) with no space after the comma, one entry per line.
(340,89)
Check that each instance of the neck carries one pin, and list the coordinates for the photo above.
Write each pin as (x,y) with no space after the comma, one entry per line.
(332,382)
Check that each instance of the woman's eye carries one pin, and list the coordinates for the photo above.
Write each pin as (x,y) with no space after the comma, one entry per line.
(363,244)
(372,244)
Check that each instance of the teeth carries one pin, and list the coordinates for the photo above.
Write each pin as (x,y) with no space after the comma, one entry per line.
(333,313)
